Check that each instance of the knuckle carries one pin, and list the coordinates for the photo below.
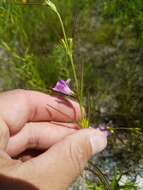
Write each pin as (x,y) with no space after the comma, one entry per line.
(32,141)
(77,157)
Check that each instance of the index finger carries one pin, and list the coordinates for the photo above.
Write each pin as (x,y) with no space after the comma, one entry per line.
(49,108)
(17,107)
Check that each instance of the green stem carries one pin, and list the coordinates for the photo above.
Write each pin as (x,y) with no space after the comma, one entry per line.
(125,128)
(63,28)
(137,130)
(74,73)
(76,83)
(69,53)
(97,172)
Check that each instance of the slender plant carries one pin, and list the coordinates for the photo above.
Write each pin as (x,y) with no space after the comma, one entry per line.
(67,44)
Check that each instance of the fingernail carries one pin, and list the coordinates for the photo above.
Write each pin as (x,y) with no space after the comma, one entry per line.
(98,142)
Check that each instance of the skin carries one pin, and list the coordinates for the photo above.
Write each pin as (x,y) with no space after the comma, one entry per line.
(46,124)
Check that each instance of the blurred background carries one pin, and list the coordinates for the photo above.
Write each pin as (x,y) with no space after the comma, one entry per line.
(108,42)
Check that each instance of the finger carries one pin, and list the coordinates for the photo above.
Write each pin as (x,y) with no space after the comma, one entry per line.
(67,125)
(29,154)
(4,134)
(20,106)
(53,108)
(38,136)
(63,162)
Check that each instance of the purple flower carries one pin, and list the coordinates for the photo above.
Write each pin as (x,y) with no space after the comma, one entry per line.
(63,87)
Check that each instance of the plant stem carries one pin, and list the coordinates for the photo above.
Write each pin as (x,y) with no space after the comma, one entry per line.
(70,55)
(63,28)
(97,172)
(68,48)
(69,52)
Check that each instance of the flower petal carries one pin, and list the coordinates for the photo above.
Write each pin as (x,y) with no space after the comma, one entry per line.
(63,87)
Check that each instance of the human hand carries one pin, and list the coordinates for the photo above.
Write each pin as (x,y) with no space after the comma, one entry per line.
(33,120)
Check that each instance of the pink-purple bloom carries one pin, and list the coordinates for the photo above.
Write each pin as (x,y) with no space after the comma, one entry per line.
(63,87)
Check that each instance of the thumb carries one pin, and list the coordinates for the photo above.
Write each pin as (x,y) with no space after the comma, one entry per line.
(63,162)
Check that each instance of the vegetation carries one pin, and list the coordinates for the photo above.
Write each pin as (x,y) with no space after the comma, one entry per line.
(108,41)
